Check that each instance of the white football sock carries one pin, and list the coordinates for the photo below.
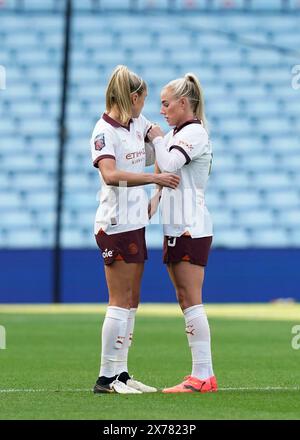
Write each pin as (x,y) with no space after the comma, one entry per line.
(198,334)
(113,337)
(122,354)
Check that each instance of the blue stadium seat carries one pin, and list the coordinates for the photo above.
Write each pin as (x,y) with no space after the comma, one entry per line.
(262,107)
(44,219)
(270,238)
(263,57)
(288,143)
(85,218)
(174,40)
(74,238)
(18,92)
(153,4)
(32,109)
(222,218)
(283,199)
(10,200)
(18,162)
(244,200)
(273,180)
(16,219)
(137,41)
(230,181)
(39,126)
(86,5)
(110,58)
(46,5)
(142,58)
(252,109)
(33,181)
(41,200)
(34,56)
(29,238)
(264,161)
(229,238)
(290,218)
(213,199)
(154,235)
(21,40)
(116,4)
(83,74)
(45,73)
(266,5)
(7,127)
(291,162)
(97,40)
(82,200)
(256,218)
(4,182)
(76,181)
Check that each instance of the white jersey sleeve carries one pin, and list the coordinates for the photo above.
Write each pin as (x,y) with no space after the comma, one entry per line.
(103,144)
(167,161)
(192,141)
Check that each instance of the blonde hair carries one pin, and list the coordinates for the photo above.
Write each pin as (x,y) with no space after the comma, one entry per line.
(121,85)
(190,87)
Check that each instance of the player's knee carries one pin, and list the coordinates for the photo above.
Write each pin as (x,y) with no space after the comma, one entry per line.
(122,298)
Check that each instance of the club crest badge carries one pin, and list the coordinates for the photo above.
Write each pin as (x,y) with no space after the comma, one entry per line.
(99,142)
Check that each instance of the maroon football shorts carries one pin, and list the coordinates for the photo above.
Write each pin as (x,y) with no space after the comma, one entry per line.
(128,246)
(186,248)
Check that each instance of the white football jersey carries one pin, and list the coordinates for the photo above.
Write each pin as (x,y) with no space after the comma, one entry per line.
(121,208)
(183,209)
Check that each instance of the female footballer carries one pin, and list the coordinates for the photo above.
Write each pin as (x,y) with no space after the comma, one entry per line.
(119,152)
(187,151)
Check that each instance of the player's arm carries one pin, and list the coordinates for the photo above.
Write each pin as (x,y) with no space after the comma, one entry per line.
(114,177)
(167,161)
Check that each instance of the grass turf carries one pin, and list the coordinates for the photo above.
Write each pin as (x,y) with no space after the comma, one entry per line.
(57,355)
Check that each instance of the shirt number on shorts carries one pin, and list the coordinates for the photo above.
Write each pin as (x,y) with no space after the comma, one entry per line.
(172,241)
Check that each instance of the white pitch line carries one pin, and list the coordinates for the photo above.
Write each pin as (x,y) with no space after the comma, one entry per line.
(260,389)
(45,391)
(90,390)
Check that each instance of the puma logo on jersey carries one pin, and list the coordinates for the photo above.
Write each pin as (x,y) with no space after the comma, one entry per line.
(120,340)
(190,330)
(107,253)
(185,144)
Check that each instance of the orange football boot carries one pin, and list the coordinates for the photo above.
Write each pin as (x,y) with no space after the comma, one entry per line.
(194,385)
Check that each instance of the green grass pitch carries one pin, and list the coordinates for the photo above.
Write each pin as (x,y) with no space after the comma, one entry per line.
(52,360)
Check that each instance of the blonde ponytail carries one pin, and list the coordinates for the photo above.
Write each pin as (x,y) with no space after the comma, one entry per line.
(196,97)
(121,85)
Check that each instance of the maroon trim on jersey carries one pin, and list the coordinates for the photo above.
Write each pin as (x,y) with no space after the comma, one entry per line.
(105,156)
(176,147)
(114,123)
(191,121)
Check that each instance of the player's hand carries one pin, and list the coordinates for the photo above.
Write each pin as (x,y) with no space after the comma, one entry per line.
(154,132)
(166,179)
